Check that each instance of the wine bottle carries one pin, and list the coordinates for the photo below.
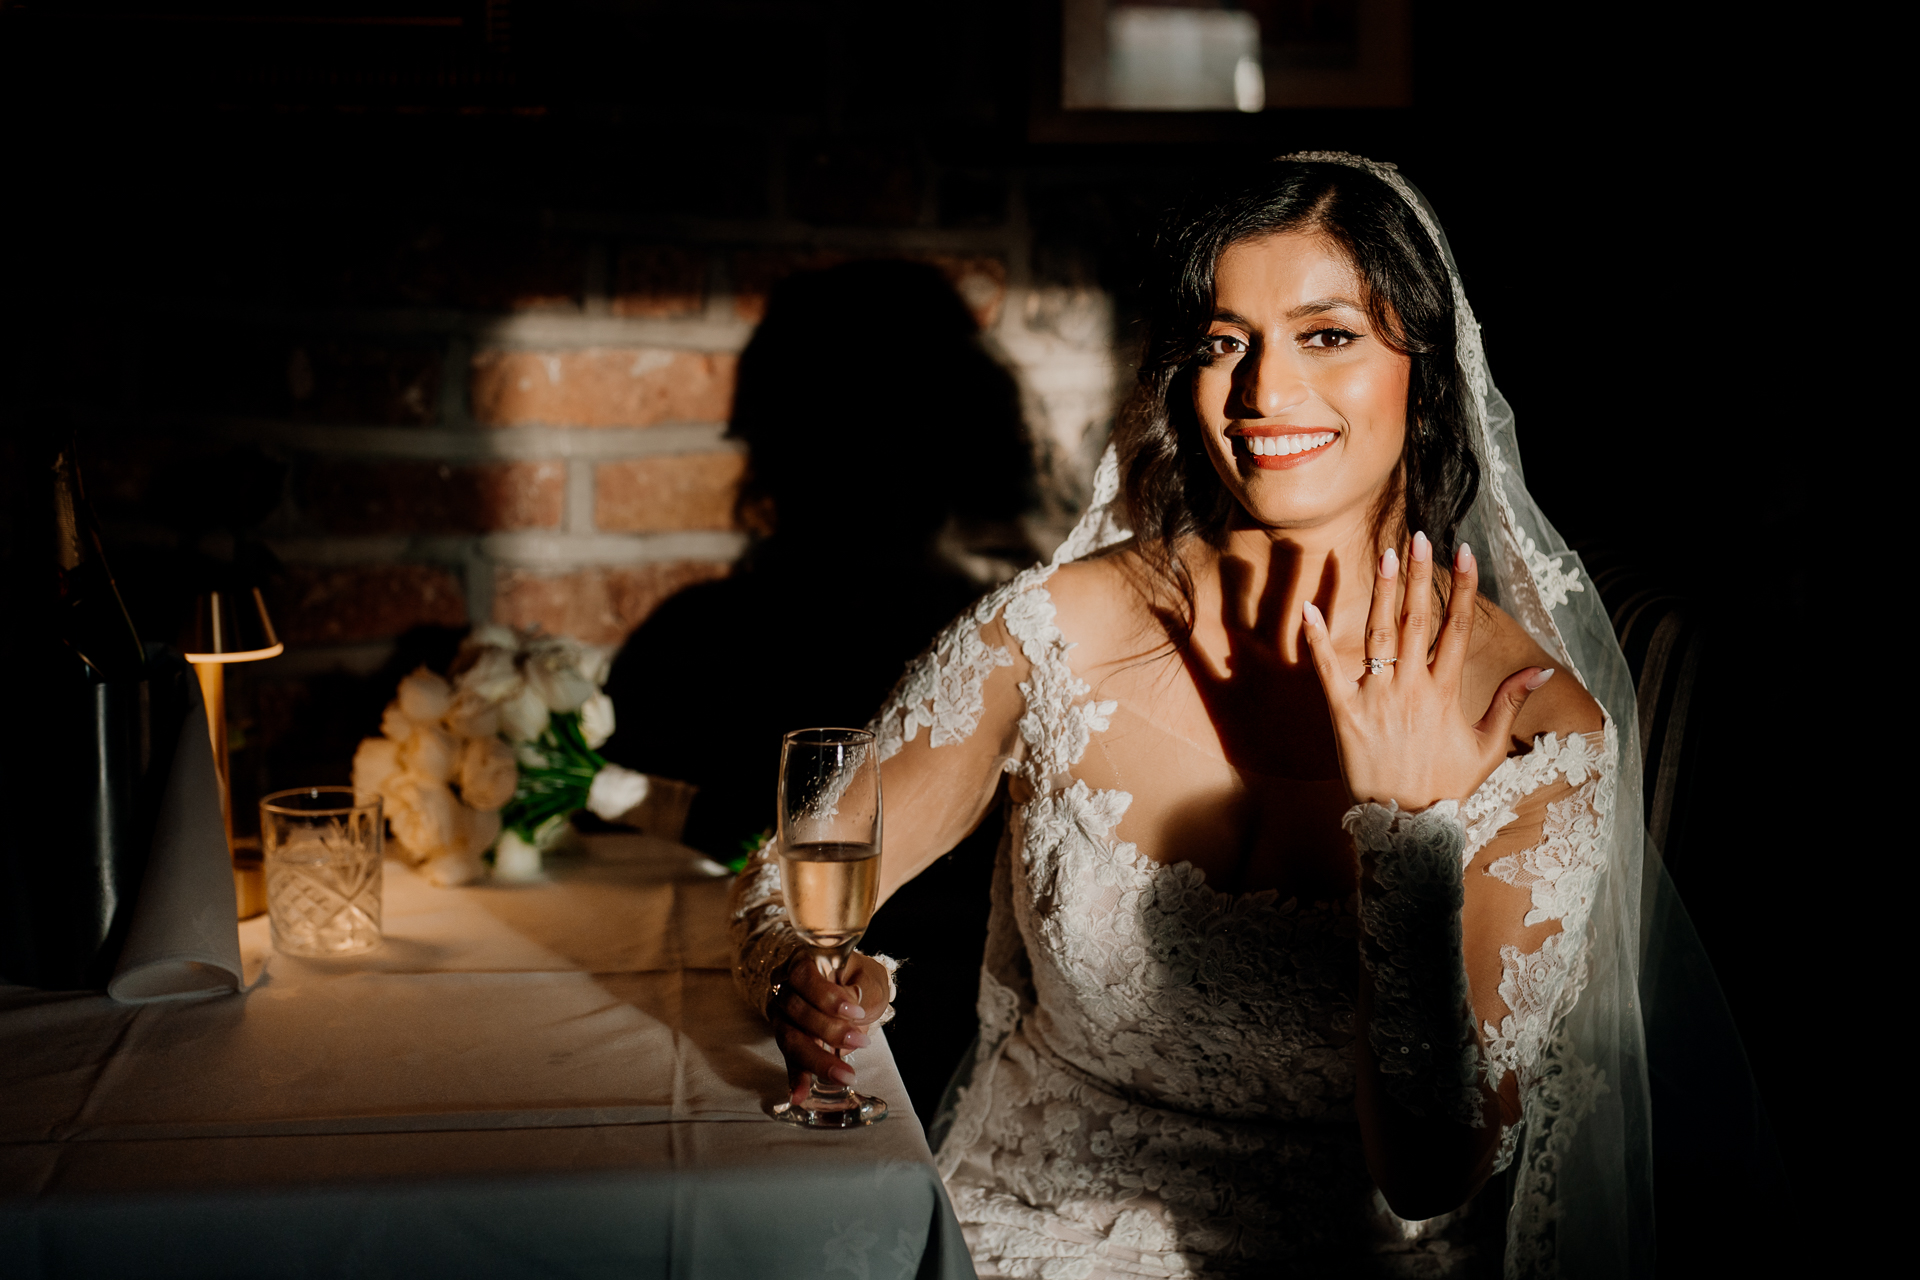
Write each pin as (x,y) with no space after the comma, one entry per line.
(69,886)
(92,618)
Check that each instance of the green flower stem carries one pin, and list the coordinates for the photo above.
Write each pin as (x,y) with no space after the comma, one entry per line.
(559,785)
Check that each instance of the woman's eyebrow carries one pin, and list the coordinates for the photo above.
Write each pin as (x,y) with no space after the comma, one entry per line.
(1322,305)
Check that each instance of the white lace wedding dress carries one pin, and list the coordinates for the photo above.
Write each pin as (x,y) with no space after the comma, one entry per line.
(1163,1083)
(1164,1078)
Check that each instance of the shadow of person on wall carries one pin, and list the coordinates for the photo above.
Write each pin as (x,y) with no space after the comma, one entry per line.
(889,467)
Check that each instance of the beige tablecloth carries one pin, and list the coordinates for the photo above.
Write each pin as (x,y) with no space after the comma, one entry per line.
(549,1080)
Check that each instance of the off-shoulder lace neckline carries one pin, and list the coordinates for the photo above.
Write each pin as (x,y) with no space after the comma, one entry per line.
(1505,784)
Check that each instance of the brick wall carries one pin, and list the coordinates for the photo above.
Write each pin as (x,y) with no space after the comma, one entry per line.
(510,418)
(557,458)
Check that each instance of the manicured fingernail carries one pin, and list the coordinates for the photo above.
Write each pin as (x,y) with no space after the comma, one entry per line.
(1312,614)
(1422,549)
(842,1074)
(1463,557)
(853,1012)
(1540,678)
(1389,563)
(855,1040)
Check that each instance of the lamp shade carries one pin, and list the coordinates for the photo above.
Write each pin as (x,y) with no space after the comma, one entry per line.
(232,626)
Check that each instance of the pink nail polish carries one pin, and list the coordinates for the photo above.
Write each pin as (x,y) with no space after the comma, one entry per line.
(1422,549)
(1463,557)
(1539,678)
(1389,563)
(855,1040)
(854,1012)
(843,1075)
(1312,612)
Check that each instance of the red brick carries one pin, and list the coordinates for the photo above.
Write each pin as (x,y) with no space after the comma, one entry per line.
(342,605)
(981,282)
(427,497)
(599,606)
(688,491)
(601,387)
(651,281)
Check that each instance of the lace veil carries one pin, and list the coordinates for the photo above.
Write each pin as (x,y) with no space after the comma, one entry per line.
(1581,1177)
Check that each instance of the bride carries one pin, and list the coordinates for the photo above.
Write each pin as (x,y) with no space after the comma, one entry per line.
(1315,916)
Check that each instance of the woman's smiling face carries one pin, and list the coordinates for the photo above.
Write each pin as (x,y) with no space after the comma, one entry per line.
(1303,404)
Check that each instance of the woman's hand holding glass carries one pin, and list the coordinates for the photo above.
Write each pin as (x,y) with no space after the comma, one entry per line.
(829,850)
(810,1012)
(1400,730)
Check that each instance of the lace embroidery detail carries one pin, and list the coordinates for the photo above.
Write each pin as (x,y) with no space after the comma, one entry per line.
(1554,581)
(1566,1093)
(1421,1027)
(1103,529)
(1490,808)
(1562,874)
(943,690)
(764,944)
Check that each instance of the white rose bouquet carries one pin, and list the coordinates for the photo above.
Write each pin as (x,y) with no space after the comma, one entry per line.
(496,759)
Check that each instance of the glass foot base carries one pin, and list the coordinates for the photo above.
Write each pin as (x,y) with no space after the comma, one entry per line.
(849,1113)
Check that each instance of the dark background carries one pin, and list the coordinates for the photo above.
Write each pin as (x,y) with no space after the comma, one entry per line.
(1620,185)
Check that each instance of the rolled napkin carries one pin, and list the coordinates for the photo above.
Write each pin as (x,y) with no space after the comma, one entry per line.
(185,936)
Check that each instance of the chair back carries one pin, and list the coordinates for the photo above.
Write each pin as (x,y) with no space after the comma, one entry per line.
(1660,633)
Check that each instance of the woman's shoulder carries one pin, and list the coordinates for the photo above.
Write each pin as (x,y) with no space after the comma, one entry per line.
(1100,606)
(1502,646)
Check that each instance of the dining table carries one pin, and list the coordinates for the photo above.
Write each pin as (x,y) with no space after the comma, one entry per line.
(551,1079)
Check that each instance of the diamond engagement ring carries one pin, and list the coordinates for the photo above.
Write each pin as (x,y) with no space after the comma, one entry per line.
(1378,666)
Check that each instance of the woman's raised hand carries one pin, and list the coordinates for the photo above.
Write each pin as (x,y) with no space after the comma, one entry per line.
(1398,722)
(811,1012)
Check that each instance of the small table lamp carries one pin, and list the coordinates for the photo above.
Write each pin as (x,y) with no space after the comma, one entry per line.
(228,627)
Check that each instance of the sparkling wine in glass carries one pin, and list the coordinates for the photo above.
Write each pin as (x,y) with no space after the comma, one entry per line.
(830,868)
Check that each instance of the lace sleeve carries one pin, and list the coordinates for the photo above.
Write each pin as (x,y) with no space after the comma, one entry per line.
(1473,972)
(1536,849)
(763,942)
(951,730)
(945,737)
(1412,889)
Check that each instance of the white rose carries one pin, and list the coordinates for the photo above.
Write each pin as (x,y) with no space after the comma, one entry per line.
(395,724)
(373,764)
(477,830)
(493,677)
(596,720)
(515,861)
(552,668)
(524,716)
(494,635)
(488,773)
(616,790)
(595,662)
(425,696)
(460,863)
(472,716)
(430,753)
(423,816)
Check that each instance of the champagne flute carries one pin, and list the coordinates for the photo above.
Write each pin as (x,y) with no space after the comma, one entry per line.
(830,868)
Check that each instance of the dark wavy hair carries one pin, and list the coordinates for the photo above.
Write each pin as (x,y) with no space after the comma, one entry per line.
(1171,490)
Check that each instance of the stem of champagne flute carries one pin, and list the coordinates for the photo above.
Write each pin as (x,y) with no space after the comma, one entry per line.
(832,962)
